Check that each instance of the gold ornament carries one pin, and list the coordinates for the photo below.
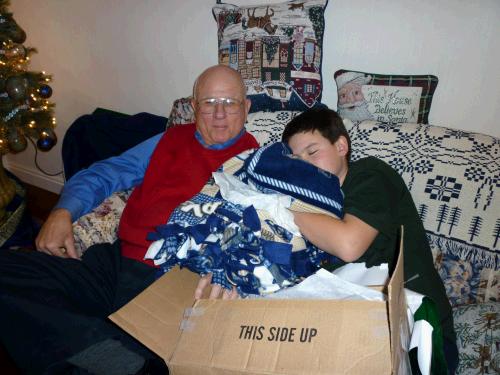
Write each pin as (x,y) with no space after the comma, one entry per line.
(17,141)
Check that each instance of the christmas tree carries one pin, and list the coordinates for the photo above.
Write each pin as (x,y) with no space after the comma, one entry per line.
(25,111)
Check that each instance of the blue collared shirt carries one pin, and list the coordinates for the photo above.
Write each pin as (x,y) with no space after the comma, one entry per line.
(219,146)
(89,187)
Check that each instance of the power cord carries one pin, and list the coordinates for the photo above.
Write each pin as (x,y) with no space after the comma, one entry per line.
(36,161)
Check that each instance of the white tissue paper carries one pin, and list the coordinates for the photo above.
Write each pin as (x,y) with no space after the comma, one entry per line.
(357,273)
(276,205)
(326,285)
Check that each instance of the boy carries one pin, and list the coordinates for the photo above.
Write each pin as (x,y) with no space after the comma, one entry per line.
(376,203)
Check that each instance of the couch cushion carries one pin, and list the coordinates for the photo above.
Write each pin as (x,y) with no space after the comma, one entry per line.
(453,177)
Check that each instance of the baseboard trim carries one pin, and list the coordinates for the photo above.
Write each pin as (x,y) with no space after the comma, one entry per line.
(35,177)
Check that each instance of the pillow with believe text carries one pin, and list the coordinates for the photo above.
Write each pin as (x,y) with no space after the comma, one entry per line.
(385,98)
(277,48)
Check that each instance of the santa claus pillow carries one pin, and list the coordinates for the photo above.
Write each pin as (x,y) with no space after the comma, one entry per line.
(386,98)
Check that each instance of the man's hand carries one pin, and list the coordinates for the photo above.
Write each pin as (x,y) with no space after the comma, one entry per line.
(216,292)
(56,235)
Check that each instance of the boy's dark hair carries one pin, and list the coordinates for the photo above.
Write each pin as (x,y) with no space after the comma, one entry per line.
(324,120)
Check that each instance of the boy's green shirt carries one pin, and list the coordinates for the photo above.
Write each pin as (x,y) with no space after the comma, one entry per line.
(376,194)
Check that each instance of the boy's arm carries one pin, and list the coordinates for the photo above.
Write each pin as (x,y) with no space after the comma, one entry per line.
(346,238)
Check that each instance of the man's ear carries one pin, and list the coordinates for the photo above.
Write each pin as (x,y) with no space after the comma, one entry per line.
(342,145)
(248,104)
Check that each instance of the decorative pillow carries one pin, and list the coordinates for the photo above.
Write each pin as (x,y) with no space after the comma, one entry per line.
(453,177)
(277,48)
(386,98)
(182,112)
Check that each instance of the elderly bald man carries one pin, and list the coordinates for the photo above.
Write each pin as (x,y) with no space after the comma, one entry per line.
(53,305)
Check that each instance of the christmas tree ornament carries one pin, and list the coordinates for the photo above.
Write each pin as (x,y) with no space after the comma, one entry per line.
(17,142)
(19,35)
(45,91)
(17,50)
(47,140)
(17,87)
(12,29)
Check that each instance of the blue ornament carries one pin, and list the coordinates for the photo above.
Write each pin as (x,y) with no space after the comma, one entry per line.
(47,140)
(45,91)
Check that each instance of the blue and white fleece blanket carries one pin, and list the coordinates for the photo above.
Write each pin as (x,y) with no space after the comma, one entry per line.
(239,227)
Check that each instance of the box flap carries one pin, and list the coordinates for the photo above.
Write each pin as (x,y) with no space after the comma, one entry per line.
(398,319)
(154,316)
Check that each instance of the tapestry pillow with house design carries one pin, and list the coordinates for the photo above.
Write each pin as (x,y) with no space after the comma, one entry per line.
(454,179)
(387,98)
(277,48)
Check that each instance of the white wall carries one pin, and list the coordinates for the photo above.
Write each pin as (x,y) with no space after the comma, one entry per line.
(133,56)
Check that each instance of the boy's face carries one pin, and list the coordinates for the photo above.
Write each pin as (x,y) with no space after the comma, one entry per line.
(319,151)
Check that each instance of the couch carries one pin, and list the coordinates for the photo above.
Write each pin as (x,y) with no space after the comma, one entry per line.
(454,178)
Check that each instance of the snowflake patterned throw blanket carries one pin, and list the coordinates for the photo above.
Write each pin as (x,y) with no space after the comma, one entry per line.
(239,227)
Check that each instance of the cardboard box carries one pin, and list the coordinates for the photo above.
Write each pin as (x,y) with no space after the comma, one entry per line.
(260,336)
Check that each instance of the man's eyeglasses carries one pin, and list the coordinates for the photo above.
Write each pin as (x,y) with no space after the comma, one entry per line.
(208,105)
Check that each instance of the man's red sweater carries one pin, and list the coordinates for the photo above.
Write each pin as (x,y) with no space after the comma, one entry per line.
(178,169)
